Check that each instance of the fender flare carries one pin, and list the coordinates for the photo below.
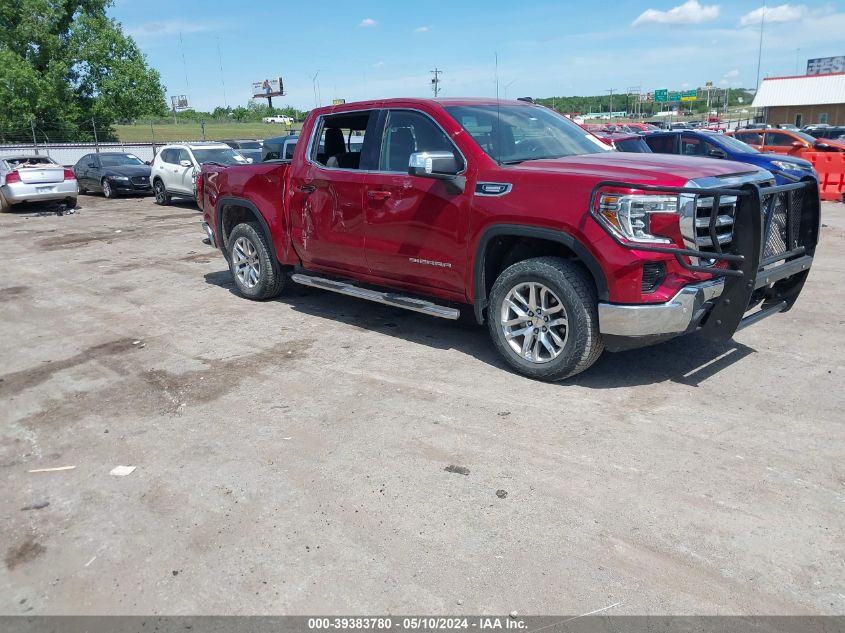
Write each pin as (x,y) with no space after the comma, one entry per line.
(242,202)
(521,230)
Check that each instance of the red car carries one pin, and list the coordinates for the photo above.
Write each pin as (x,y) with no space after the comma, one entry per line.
(787,142)
(515,214)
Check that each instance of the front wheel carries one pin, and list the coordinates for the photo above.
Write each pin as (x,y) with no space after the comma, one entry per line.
(108,190)
(543,318)
(162,197)
(256,275)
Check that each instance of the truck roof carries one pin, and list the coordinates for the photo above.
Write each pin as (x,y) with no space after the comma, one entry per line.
(406,101)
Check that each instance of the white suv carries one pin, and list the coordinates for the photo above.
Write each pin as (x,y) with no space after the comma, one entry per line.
(175,167)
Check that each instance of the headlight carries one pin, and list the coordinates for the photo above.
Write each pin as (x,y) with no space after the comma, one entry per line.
(631,215)
(126,178)
(788,166)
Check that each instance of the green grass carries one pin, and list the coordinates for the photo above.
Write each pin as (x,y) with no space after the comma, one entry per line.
(165,132)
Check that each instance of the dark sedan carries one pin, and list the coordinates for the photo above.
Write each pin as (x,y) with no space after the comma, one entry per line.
(113,173)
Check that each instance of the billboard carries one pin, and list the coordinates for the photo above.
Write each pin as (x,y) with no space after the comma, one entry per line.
(826,65)
(179,102)
(268,88)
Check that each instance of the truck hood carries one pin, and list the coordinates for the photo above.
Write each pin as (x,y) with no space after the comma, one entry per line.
(665,169)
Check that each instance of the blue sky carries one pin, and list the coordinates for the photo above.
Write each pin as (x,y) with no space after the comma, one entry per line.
(379,49)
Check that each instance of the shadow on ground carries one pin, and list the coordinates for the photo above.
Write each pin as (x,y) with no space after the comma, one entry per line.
(688,360)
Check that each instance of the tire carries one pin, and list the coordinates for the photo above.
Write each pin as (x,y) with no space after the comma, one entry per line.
(160,193)
(563,290)
(5,207)
(71,202)
(108,190)
(256,274)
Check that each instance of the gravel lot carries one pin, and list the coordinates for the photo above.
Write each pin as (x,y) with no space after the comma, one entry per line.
(291,456)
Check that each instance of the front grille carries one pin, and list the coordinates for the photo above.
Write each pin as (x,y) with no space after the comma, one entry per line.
(653,274)
(723,228)
(140,180)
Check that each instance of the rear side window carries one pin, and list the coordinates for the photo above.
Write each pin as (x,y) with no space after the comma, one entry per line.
(339,142)
(289,147)
(752,138)
(407,132)
(662,144)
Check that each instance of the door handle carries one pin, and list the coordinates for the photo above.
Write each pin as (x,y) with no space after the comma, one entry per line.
(307,188)
(378,195)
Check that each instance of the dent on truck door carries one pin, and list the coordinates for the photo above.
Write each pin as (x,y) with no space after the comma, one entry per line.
(326,214)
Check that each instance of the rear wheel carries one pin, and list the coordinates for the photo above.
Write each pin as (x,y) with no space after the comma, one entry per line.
(162,197)
(5,207)
(108,190)
(256,274)
(543,318)
(71,203)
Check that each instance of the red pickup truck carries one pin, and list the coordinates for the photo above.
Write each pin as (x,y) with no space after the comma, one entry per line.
(514,213)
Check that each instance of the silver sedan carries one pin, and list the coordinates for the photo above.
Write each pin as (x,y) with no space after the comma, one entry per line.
(35,179)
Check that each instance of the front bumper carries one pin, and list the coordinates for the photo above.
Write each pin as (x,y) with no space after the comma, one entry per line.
(678,315)
(131,186)
(24,192)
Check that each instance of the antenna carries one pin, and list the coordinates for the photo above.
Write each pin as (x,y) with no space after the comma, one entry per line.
(222,81)
(435,81)
(184,64)
(498,132)
(314,85)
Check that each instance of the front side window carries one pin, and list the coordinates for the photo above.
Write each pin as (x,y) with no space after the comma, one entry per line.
(511,134)
(407,132)
(752,138)
(779,139)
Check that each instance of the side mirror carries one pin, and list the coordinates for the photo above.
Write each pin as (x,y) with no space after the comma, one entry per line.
(249,160)
(717,153)
(797,144)
(437,165)
(146,162)
(822,146)
(186,163)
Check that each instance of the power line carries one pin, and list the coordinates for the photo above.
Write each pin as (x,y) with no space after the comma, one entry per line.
(435,81)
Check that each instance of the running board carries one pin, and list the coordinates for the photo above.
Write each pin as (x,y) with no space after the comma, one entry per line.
(387,298)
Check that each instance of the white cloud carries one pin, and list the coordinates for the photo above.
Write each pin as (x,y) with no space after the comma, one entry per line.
(723,82)
(690,12)
(378,65)
(781,13)
(167,28)
(732,73)
(367,22)
(421,29)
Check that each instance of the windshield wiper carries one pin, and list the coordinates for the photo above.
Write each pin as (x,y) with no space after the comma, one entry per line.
(517,161)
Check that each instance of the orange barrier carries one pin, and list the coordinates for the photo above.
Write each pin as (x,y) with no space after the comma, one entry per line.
(830,167)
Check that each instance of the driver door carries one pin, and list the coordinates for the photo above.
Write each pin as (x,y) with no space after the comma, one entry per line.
(415,227)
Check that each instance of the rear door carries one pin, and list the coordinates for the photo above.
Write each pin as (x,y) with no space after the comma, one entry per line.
(416,227)
(326,214)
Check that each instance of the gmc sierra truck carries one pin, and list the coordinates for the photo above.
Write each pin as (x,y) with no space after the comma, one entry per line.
(512,212)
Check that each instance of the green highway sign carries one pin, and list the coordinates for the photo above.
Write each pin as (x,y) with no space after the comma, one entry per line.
(660,95)
(689,95)
(674,96)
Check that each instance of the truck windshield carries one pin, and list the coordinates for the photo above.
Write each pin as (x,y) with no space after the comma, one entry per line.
(511,134)
(224,156)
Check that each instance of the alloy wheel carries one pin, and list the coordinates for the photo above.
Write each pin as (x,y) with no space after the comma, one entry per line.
(534,322)
(246,262)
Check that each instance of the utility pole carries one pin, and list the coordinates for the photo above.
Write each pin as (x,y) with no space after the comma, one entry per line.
(610,107)
(34,138)
(435,81)
(96,142)
(314,85)
(760,49)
